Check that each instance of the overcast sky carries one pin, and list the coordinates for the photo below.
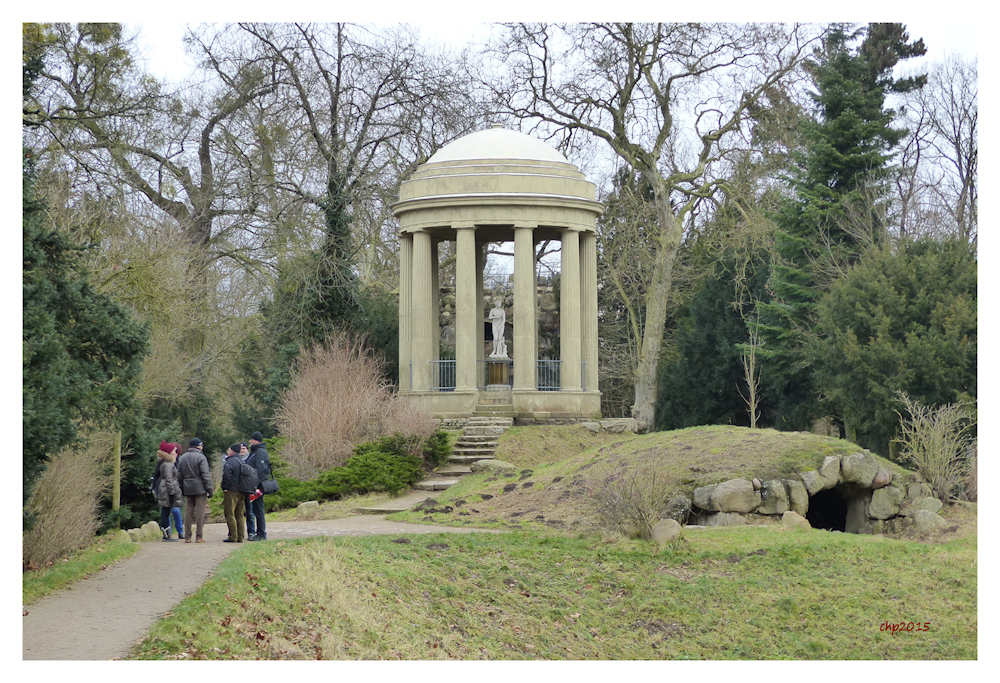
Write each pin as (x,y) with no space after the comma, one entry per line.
(167,58)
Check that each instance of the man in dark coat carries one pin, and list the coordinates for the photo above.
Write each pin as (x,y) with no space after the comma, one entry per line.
(233,500)
(196,483)
(258,459)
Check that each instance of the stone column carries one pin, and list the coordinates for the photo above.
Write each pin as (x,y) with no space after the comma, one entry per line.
(588,308)
(405,305)
(481,313)
(466,315)
(435,308)
(525,351)
(569,311)
(424,321)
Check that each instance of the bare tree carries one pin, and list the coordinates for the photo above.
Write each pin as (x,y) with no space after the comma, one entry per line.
(939,178)
(635,86)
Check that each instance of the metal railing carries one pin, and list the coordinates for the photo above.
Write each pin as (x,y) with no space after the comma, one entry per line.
(548,375)
(492,373)
(443,375)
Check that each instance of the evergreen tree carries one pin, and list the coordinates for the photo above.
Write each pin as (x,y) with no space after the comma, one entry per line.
(904,319)
(81,351)
(847,149)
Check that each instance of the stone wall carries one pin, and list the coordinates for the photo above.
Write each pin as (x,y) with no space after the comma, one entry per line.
(874,502)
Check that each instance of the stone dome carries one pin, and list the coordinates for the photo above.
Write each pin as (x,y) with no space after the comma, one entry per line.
(497,177)
(497,143)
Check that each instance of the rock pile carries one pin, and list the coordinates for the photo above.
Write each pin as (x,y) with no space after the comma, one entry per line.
(874,503)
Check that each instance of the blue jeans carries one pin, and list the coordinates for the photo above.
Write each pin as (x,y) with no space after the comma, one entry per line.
(175,512)
(255,516)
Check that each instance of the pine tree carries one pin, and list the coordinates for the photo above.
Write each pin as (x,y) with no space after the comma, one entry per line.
(848,147)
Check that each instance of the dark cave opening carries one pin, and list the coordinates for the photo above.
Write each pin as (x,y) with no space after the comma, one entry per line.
(827,510)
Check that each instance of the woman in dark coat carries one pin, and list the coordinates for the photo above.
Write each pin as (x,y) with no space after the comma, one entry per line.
(168,493)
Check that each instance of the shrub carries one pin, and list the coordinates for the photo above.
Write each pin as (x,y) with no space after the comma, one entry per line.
(628,496)
(338,399)
(936,440)
(65,504)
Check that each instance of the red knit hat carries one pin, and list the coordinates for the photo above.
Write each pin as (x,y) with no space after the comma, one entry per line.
(167,447)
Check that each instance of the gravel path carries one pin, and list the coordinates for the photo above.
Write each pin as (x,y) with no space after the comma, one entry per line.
(105,615)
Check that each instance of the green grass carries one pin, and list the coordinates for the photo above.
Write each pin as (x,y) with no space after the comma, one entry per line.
(725,593)
(104,551)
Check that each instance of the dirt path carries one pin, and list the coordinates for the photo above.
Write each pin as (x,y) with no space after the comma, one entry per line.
(105,615)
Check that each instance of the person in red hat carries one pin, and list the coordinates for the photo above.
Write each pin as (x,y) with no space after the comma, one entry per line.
(168,489)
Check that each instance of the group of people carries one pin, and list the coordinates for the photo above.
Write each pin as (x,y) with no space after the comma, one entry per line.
(188,477)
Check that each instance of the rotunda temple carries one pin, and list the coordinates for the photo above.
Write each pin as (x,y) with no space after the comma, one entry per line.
(498,185)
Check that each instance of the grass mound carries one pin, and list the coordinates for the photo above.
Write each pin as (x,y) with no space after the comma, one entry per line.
(551,492)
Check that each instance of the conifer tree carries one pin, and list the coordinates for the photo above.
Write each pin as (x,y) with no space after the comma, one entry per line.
(848,147)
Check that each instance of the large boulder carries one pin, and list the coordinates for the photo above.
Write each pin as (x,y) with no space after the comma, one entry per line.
(928,503)
(725,519)
(885,502)
(859,468)
(492,465)
(881,479)
(829,471)
(812,481)
(736,495)
(773,498)
(123,535)
(918,490)
(150,531)
(798,497)
(678,509)
(703,497)
(927,521)
(792,520)
(620,425)
(666,531)
(592,427)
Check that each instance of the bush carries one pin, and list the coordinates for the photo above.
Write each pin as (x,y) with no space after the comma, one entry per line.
(389,464)
(338,399)
(65,504)
(628,496)
(935,439)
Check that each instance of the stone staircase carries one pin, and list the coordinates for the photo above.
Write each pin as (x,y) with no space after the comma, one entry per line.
(478,442)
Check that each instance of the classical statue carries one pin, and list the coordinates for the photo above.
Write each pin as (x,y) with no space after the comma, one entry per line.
(499,319)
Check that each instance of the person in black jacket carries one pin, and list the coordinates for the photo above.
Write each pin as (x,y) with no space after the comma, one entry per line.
(232,501)
(258,459)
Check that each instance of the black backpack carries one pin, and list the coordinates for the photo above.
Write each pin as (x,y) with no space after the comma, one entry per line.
(154,481)
(248,481)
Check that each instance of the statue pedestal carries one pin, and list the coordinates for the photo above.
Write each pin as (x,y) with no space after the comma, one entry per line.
(498,373)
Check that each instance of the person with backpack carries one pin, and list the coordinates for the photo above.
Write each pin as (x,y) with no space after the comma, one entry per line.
(167,490)
(260,461)
(237,477)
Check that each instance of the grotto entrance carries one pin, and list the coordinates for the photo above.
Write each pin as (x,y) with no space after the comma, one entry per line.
(827,510)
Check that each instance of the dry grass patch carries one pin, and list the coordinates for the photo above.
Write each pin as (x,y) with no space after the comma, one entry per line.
(534,446)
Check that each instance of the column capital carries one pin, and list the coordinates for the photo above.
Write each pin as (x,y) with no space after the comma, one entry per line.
(526,224)
(463,225)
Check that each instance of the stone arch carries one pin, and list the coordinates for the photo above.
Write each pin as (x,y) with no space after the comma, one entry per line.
(853,493)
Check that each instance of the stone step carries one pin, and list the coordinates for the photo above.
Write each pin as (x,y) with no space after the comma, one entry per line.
(468,459)
(474,450)
(478,440)
(434,484)
(485,430)
(482,420)
(452,471)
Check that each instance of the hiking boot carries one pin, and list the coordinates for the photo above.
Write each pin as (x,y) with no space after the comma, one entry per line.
(200,540)
(228,540)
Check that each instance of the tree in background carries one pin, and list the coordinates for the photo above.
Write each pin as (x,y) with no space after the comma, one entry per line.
(625,85)
(840,177)
(903,320)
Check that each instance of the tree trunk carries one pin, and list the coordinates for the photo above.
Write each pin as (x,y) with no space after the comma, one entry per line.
(657,296)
